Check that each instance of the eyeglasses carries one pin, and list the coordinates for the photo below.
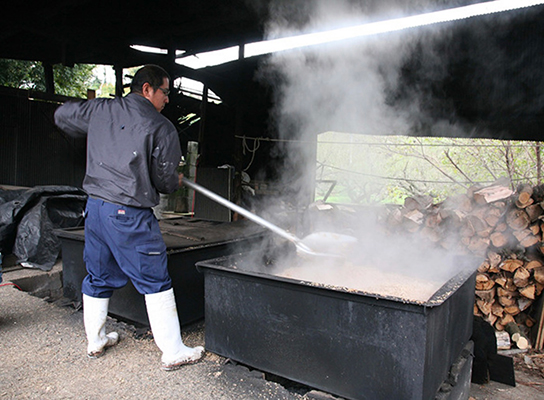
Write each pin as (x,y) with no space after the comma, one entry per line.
(165,91)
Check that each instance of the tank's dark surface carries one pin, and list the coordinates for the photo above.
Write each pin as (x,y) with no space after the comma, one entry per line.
(188,241)
(348,343)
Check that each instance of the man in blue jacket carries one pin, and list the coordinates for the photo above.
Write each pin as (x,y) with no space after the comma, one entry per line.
(133,152)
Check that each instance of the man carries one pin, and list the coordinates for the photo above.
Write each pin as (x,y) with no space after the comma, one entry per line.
(132,155)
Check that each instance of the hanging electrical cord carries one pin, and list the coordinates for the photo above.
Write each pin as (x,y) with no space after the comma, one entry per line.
(511,144)
(412,180)
(256,145)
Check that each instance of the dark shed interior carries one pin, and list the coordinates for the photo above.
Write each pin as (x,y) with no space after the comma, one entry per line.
(492,76)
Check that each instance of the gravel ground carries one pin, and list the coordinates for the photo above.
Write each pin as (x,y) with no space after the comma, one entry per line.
(42,347)
(43,357)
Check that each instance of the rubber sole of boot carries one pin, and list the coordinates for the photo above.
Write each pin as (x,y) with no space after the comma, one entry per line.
(177,365)
(112,341)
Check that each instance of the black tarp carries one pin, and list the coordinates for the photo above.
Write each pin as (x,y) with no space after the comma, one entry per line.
(28,218)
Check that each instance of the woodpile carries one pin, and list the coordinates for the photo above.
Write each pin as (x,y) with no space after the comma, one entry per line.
(505,228)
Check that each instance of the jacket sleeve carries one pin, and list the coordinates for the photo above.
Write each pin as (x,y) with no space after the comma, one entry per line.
(73,117)
(165,159)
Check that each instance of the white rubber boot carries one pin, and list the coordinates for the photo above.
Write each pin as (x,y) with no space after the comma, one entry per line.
(163,318)
(95,312)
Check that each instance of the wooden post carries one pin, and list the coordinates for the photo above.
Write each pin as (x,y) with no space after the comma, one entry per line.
(202,131)
(118,80)
(49,78)
(192,157)
(238,146)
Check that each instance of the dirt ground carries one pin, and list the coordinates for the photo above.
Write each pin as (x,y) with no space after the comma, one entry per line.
(43,357)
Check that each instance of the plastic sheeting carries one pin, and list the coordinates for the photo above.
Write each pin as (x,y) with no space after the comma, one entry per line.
(28,218)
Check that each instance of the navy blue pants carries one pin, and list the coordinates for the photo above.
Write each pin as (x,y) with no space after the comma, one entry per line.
(123,243)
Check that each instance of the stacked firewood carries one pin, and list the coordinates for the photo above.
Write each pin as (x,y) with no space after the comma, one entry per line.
(502,226)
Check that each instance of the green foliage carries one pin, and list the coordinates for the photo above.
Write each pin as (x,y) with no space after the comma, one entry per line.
(30,75)
(387,169)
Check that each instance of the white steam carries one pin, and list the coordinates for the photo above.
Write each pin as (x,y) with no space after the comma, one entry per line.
(343,87)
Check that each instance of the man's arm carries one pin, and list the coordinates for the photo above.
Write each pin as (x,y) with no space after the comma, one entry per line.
(73,117)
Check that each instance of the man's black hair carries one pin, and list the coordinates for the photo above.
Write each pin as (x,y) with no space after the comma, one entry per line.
(152,74)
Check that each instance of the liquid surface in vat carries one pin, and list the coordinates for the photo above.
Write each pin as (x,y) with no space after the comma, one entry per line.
(412,281)
(365,279)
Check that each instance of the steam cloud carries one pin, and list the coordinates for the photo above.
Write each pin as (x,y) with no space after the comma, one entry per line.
(446,80)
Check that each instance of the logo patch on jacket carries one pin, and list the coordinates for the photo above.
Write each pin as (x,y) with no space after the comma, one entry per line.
(121,212)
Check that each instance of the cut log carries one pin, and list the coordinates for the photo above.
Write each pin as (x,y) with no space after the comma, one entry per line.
(493,216)
(506,293)
(524,303)
(494,260)
(433,220)
(483,282)
(491,194)
(529,241)
(512,310)
(528,291)
(486,295)
(484,233)
(484,306)
(418,202)
(521,234)
(497,309)
(529,322)
(498,326)
(534,211)
(507,319)
(524,198)
(526,238)
(533,265)
(484,266)
(498,239)
(467,230)
(500,280)
(478,245)
(510,265)
(521,277)
(478,224)
(491,318)
(506,301)
(501,227)
(503,340)
(517,219)
(516,335)
(538,274)
(510,285)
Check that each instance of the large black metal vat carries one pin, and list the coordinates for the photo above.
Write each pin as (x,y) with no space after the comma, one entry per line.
(352,344)
(187,240)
